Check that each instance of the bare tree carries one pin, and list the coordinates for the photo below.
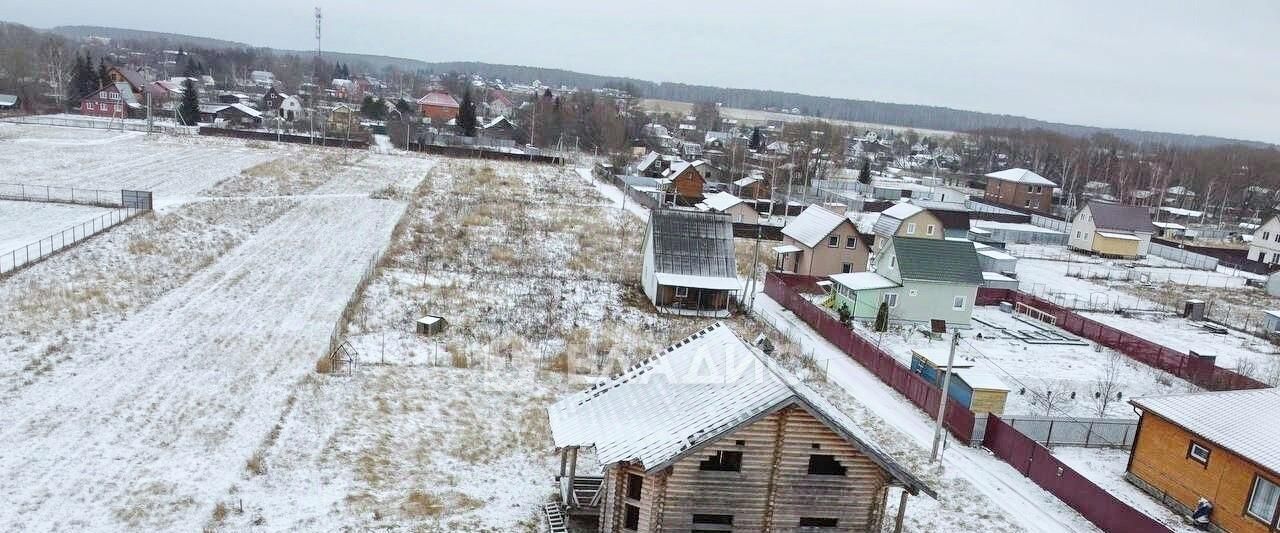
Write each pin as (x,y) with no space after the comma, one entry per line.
(1052,396)
(1107,386)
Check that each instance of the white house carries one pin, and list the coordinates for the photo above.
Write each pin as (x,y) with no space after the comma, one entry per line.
(263,78)
(1112,230)
(290,107)
(1265,246)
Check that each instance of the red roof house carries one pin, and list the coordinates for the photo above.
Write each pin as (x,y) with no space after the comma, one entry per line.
(438,106)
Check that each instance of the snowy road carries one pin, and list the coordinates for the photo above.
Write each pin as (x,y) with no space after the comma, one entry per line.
(150,426)
(1025,503)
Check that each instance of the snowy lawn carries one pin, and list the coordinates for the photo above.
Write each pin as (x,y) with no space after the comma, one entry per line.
(173,168)
(1237,351)
(1043,379)
(1105,467)
(23,223)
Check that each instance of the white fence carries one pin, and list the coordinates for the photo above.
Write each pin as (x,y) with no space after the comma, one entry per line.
(1189,258)
(39,250)
(1051,223)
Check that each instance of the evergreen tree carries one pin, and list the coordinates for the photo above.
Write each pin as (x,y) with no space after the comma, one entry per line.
(467,115)
(373,108)
(882,317)
(404,106)
(756,139)
(864,175)
(75,89)
(103,78)
(189,109)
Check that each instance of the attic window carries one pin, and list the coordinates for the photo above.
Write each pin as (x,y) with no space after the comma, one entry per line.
(833,241)
(826,465)
(1198,452)
(635,486)
(851,242)
(722,461)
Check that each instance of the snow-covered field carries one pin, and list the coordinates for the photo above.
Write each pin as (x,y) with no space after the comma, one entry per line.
(22,223)
(1233,349)
(147,369)
(173,168)
(1105,467)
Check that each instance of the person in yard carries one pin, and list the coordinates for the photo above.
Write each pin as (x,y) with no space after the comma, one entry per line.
(1201,517)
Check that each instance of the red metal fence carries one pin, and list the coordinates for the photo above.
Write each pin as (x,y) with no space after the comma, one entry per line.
(782,288)
(1039,465)
(1201,372)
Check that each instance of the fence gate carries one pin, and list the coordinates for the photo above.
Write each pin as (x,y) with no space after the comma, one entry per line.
(136,199)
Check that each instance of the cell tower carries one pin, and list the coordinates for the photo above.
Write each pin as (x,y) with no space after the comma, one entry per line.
(316,71)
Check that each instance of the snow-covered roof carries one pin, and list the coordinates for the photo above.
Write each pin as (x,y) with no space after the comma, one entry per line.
(995,276)
(1183,212)
(1168,225)
(747,181)
(690,395)
(937,357)
(721,201)
(902,211)
(812,225)
(787,249)
(866,222)
(494,122)
(438,99)
(1020,175)
(648,160)
(862,281)
(996,254)
(8,100)
(1011,226)
(981,378)
(1230,419)
(247,110)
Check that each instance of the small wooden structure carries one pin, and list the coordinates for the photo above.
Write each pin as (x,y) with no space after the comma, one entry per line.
(972,387)
(430,325)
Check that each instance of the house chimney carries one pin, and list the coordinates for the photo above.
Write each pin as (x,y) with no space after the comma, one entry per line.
(834,207)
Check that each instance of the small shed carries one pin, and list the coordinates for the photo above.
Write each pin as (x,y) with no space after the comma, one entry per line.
(928,363)
(430,325)
(979,390)
(996,280)
(993,260)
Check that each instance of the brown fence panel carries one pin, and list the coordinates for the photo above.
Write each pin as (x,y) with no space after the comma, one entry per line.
(1038,464)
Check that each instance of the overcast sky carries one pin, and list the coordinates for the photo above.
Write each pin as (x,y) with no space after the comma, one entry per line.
(1183,66)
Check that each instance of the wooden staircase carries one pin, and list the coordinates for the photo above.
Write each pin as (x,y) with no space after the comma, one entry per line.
(557,522)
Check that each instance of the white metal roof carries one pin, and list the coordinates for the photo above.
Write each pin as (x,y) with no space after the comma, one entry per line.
(1168,225)
(1020,175)
(721,201)
(812,225)
(690,395)
(862,281)
(747,181)
(995,276)
(866,222)
(787,249)
(1235,420)
(1121,236)
(996,254)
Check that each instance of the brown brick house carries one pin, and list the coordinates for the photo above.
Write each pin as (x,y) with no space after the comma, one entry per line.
(712,435)
(1221,446)
(1020,188)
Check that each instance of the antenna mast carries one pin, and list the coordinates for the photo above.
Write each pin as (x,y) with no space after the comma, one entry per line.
(316,66)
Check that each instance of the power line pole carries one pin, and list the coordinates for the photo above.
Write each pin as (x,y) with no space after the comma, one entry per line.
(936,455)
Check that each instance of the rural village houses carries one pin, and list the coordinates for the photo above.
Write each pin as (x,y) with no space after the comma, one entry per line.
(1265,245)
(1020,188)
(689,263)
(711,435)
(1112,230)
(906,220)
(822,241)
(919,280)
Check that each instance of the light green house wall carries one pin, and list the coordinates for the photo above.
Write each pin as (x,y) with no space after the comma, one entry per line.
(862,304)
(917,302)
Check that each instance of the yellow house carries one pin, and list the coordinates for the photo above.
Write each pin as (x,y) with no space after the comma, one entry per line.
(1220,446)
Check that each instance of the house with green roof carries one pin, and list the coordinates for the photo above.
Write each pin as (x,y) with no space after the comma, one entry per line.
(919,279)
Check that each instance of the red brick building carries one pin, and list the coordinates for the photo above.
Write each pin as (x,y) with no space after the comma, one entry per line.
(439,107)
(1020,188)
